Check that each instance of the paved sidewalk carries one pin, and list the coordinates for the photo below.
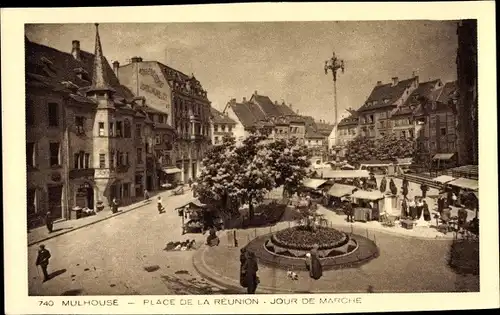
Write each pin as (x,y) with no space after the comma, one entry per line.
(41,234)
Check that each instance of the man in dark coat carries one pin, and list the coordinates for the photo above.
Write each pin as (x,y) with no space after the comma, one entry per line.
(251,268)
(42,260)
(348,210)
(424,188)
(49,221)
(405,182)
(243,273)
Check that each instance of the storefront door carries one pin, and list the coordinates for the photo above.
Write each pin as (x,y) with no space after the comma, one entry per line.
(55,201)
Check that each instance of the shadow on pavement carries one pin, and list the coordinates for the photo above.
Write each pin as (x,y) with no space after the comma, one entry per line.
(57,273)
(180,286)
(74,292)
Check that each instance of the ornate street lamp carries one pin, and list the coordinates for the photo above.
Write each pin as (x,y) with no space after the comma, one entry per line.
(334,64)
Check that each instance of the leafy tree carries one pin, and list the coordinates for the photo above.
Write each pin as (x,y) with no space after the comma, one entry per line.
(215,184)
(391,147)
(359,149)
(289,163)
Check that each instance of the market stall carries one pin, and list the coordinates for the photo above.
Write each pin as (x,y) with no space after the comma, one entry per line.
(337,191)
(443,179)
(198,217)
(342,174)
(314,187)
(368,205)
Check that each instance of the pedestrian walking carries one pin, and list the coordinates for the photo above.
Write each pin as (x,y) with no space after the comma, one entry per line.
(404,191)
(424,188)
(190,182)
(420,208)
(440,204)
(42,260)
(146,195)
(383,185)
(243,273)
(392,187)
(114,206)
(313,265)
(49,221)
(251,268)
(160,205)
(348,210)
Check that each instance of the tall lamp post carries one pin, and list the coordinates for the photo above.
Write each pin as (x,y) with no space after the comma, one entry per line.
(334,64)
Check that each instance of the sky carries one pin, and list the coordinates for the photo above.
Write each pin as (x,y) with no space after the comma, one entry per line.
(283,60)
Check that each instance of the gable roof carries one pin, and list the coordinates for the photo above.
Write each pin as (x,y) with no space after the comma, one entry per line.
(248,114)
(220,118)
(424,90)
(350,120)
(384,95)
(285,110)
(311,133)
(447,92)
(56,66)
(267,106)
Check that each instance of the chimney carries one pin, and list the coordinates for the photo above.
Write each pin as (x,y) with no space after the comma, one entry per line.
(275,102)
(290,105)
(233,101)
(379,83)
(255,93)
(244,99)
(75,50)
(136,59)
(116,66)
(395,81)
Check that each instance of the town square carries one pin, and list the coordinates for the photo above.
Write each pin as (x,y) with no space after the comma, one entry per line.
(252,158)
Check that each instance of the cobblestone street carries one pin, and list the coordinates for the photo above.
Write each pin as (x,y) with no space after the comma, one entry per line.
(110,257)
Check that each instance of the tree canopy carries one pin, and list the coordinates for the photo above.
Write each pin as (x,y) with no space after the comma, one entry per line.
(389,147)
(235,174)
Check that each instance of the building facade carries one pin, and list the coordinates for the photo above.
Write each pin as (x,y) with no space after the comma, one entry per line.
(221,126)
(81,145)
(347,130)
(185,101)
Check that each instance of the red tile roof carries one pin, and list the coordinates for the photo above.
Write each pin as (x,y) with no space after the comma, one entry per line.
(385,95)
(57,66)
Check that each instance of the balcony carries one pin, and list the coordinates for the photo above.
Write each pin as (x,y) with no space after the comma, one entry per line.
(122,168)
(81,172)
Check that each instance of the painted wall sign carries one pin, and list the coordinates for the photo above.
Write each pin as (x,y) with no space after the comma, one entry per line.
(152,73)
(159,94)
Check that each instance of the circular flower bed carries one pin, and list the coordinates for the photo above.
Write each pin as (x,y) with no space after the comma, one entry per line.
(301,238)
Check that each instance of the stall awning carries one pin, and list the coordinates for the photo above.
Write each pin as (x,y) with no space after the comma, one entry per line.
(313,183)
(443,179)
(443,156)
(171,170)
(340,190)
(345,174)
(465,183)
(194,202)
(347,167)
(368,195)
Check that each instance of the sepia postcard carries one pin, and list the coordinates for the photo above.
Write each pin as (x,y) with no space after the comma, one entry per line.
(250,158)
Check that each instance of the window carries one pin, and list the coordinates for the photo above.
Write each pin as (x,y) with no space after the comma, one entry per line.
(230,128)
(442,131)
(223,128)
(112,159)
(30,113)
(30,154)
(382,134)
(216,128)
(126,190)
(126,159)
(79,121)
(76,158)
(403,134)
(139,155)
(119,130)
(216,140)
(371,119)
(111,129)
(101,129)
(87,160)
(157,139)
(138,179)
(54,154)
(412,133)
(161,119)
(126,129)
(138,130)
(102,160)
(53,115)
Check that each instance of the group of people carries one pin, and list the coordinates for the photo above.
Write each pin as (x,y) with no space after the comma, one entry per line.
(414,208)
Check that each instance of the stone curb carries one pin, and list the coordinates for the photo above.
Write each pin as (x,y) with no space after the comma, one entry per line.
(85,225)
